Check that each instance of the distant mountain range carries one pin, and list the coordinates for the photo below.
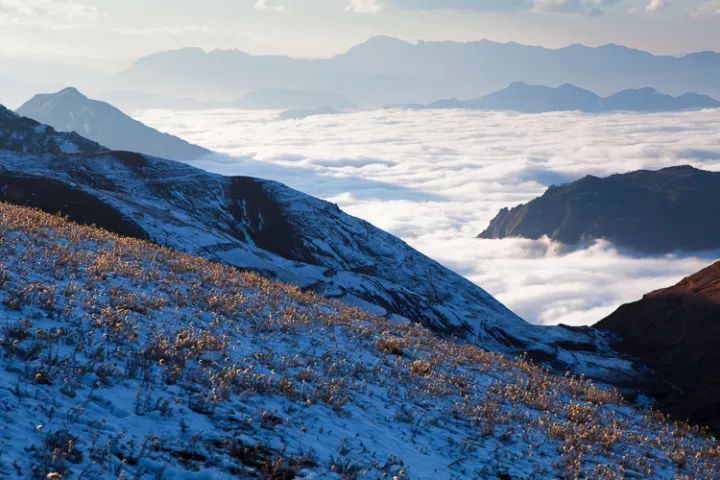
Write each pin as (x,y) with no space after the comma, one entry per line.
(70,111)
(676,332)
(378,72)
(386,70)
(648,211)
(521,97)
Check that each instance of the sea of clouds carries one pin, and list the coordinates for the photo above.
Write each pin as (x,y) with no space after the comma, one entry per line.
(436,178)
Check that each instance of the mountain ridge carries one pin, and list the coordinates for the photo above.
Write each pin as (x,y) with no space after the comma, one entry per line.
(526,98)
(647,211)
(388,71)
(675,331)
(70,110)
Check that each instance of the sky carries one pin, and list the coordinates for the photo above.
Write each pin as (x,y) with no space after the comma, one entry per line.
(115,32)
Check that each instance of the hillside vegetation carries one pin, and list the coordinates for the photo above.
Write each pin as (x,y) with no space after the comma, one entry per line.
(121,359)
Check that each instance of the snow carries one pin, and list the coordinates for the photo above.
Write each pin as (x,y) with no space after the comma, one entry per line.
(185,209)
(335,255)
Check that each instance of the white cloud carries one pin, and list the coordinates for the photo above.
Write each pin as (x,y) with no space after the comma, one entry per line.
(707,8)
(47,8)
(364,6)
(269,5)
(592,7)
(436,178)
(655,6)
(589,7)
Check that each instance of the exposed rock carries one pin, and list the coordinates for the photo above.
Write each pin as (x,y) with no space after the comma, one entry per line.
(648,211)
(676,332)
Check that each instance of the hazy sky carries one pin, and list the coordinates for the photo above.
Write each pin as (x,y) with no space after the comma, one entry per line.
(120,30)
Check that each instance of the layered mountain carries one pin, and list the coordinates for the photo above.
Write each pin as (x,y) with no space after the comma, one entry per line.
(521,97)
(386,70)
(647,211)
(534,98)
(650,100)
(123,359)
(70,111)
(676,331)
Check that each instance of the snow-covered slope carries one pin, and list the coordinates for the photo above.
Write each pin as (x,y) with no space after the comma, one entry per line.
(70,111)
(272,229)
(121,359)
(25,136)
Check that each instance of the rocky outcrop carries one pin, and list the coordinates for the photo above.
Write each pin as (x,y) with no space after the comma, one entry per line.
(676,332)
(647,211)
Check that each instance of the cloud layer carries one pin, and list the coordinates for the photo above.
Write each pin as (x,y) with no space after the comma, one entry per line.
(585,7)
(707,8)
(364,6)
(436,178)
(47,8)
(589,7)
(269,5)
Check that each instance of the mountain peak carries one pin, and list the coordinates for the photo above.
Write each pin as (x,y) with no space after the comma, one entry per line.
(646,90)
(70,91)
(682,169)
(386,40)
(383,43)
(70,111)
(569,86)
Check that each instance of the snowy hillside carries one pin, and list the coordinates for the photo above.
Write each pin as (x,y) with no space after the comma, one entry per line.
(121,359)
(272,229)
(23,135)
